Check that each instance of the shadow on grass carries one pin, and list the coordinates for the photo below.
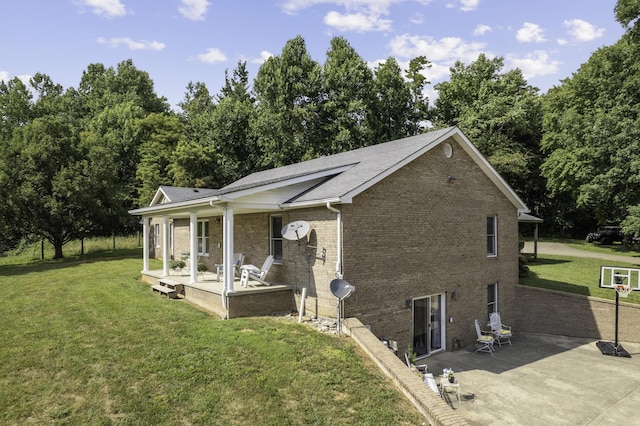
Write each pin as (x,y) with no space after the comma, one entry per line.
(545,261)
(32,266)
(532,280)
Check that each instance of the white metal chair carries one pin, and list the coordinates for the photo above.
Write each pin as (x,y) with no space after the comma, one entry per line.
(255,273)
(238,260)
(485,339)
(500,331)
(418,369)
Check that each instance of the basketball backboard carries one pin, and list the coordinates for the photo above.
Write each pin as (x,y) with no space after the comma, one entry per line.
(613,277)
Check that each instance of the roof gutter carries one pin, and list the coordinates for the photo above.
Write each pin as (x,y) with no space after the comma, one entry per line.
(339,239)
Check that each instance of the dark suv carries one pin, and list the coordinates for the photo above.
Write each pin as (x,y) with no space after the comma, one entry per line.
(606,235)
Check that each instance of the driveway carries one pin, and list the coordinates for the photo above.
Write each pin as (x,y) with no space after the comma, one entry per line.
(544,380)
(564,250)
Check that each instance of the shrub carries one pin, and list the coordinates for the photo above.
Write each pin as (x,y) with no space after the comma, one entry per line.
(177,264)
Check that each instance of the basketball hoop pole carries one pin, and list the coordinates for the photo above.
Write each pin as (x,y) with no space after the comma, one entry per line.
(623,281)
(617,308)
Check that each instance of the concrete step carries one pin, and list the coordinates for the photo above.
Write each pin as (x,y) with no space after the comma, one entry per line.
(171,293)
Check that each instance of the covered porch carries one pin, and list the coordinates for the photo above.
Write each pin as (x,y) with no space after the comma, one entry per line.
(207,292)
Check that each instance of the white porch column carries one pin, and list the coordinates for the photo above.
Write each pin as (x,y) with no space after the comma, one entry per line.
(227,249)
(193,251)
(145,244)
(165,245)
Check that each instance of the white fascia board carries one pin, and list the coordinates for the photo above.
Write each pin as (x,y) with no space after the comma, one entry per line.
(172,207)
(315,203)
(252,206)
(156,198)
(230,196)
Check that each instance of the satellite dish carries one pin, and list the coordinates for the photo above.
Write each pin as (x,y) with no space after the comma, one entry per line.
(341,289)
(295,231)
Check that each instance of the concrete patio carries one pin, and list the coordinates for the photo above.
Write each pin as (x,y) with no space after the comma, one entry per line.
(544,380)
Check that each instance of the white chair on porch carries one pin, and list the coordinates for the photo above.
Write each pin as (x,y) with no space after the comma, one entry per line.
(501,331)
(238,260)
(485,339)
(255,273)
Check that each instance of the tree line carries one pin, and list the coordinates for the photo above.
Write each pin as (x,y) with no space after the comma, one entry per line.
(74,161)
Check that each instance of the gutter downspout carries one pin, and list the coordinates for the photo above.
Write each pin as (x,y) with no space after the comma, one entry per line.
(339,273)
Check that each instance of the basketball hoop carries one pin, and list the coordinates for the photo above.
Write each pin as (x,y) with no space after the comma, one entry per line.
(623,290)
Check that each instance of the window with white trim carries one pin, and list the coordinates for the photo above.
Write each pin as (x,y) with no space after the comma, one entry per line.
(492,235)
(275,238)
(203,238)
(492,298)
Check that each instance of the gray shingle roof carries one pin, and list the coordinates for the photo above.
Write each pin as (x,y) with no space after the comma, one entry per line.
(364,164)
(334,178)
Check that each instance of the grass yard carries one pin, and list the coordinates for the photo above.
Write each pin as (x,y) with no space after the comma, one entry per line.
(85,342)
(579,275)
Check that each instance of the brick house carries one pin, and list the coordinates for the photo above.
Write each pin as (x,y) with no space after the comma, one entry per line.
(423,228)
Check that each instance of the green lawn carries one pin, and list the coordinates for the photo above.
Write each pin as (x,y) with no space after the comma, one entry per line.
(579,275)
(85,342)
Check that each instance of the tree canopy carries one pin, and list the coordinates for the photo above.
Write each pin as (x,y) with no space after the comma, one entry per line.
(74,161)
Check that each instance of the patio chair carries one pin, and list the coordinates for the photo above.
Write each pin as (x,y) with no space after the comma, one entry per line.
(238,260)
(485,339)
(419,369)
(500,331)
(255,273)
(430,381)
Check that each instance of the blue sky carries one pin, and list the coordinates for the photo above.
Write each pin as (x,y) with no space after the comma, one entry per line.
(178,41)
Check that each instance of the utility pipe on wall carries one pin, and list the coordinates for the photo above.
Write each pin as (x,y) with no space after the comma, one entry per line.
(339,239)
(302,303)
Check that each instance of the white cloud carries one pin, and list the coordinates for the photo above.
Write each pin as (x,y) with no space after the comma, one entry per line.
(469,5)
(582,31)
(356,22)
(530,33)
(376,6)
(417,19)
(108,8)
(481,30)
(131,44)
(264,55)
(534,64)
(194,10)
(6,77)
(448,49)
(212,55)
(358,15)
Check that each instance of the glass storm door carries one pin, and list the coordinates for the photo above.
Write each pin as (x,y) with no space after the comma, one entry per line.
(428,327)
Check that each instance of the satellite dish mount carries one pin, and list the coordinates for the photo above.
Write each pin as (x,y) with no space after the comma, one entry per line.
(341,290)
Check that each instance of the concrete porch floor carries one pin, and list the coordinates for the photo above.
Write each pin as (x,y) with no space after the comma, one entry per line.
(208,281)
(543,380)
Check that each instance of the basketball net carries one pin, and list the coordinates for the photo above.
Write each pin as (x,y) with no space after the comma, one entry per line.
(623,290)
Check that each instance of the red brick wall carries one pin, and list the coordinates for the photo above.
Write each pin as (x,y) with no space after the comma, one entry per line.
(417,233)
(414,234)
(554,312)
